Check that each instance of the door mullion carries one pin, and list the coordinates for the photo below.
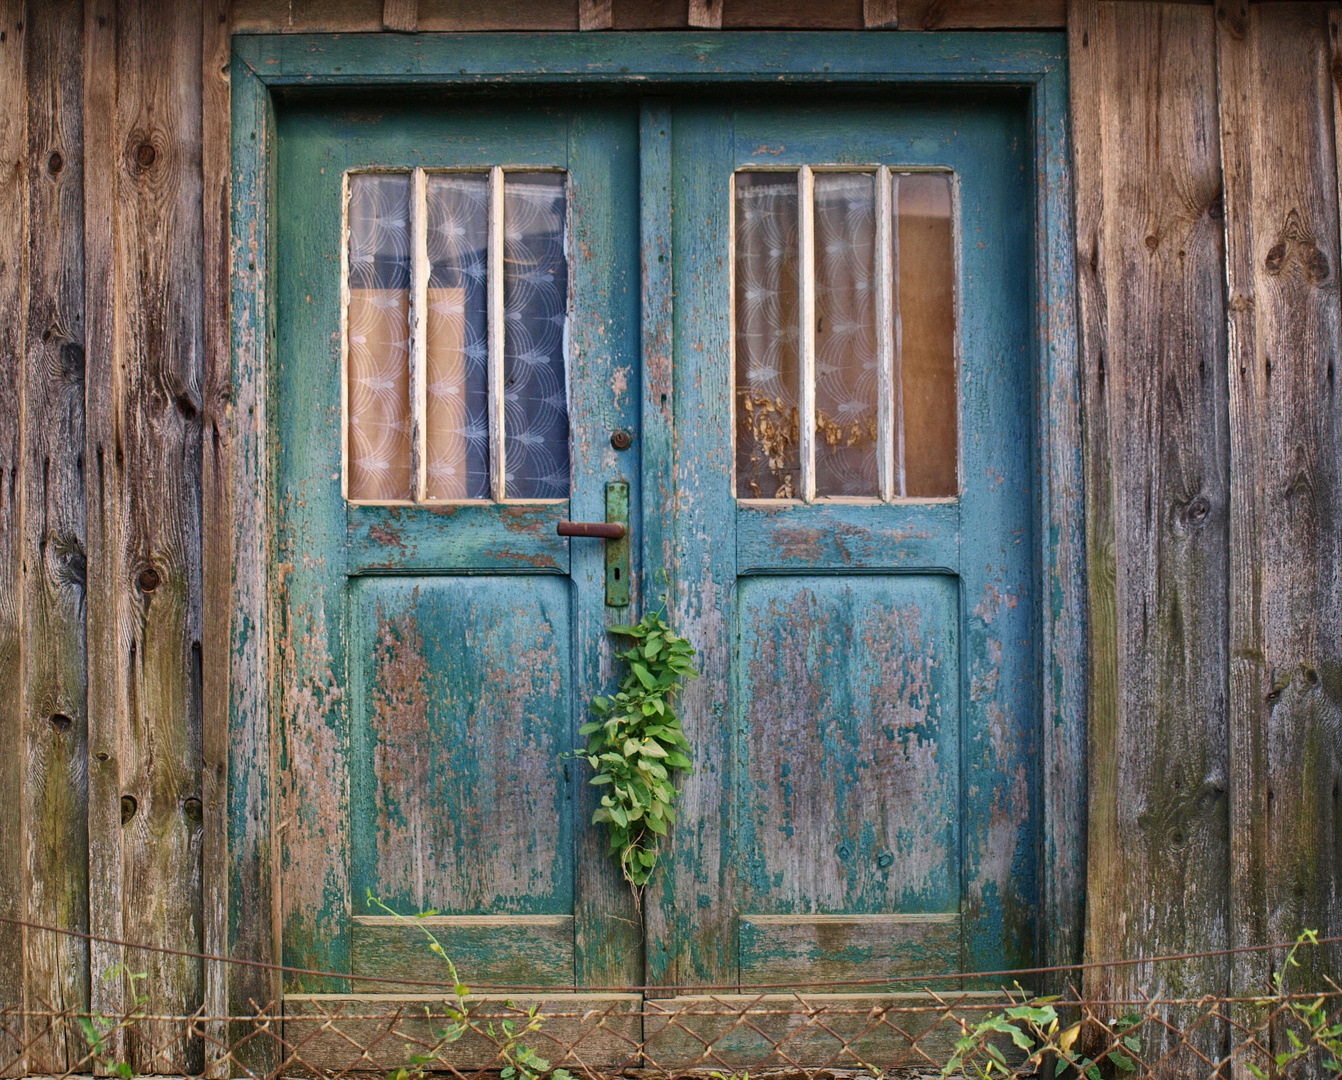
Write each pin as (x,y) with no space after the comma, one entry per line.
(888,436)
(494,300)
(806,336)
(419,329)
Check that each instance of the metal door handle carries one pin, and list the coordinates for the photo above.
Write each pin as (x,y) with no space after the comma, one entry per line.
(601,530)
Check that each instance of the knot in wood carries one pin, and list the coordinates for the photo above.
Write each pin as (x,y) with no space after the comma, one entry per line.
(148,579)
(1294,253)
(61,722)
(55,163)
(128,808)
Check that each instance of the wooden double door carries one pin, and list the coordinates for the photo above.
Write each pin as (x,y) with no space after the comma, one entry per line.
(798,330)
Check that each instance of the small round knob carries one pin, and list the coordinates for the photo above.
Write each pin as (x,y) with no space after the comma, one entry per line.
(621,439)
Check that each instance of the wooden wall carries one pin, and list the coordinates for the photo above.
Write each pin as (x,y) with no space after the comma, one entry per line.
(1205,140)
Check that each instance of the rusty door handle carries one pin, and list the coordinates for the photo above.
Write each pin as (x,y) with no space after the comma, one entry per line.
(601,530)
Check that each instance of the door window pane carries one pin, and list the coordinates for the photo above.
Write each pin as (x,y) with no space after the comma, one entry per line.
(456,336)
(927,333)
(845,334)
(535,306)
(846,365)
(378,333)
(768,453)
(457,355)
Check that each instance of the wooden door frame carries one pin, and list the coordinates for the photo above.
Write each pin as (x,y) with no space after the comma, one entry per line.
(261,64)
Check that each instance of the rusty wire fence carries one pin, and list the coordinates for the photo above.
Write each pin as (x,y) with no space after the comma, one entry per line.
(937,1029)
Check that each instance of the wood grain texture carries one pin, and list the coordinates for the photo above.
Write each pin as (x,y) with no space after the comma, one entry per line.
(1247,752)
(13,281)
(706,14)
(880,14)
(982,14)
(401,16)
(1150,247)
(527,951)
(843,1030)
(105,511)
(594,14)
(53,677)
(1289,394)
(602,1029)
(252,896)
(144,502)
(362,16)
(788,951)
(216,534)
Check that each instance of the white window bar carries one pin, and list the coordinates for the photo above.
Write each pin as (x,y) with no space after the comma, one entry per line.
(890,418)
(806,340)
(419,332)
(498,471)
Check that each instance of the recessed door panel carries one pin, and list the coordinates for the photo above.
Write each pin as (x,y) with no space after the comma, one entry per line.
(850,744)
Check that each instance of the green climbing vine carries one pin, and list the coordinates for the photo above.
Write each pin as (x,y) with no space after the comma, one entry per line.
(636,744)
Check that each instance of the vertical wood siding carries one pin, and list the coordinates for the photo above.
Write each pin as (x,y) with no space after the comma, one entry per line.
(13,820)
(1207,193)
(1205,147)
(53,677)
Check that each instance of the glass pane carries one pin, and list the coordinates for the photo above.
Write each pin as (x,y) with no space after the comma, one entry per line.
(457,364)
(535,335)
(926,290)
(378,332)
(768,457)
(847,370)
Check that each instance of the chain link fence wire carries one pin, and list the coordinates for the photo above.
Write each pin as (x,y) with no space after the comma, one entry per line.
(927,1031)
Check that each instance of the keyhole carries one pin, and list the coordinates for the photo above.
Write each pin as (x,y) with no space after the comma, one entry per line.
(617,573)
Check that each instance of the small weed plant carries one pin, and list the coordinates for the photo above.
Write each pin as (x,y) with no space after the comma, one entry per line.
(520,1061)
(100,1031)
(636,743)
(1034,1028)
(1311,1015)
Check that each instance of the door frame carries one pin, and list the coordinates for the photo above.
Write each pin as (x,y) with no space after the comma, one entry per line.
(243,831)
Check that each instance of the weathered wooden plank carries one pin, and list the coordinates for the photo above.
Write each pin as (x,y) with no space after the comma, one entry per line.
(1249,972)
(53,676)
(306,16)
(603,160)
(354,16)
(982,14)
(151,435)
(1061,544)
(839,1031)
(526,951)
(706,14)
(846,536)
(594,14)
(252,898)
(880,14)
(822,951)
(460,537)
(216,508)
(401,16)
(1293,220)
(329,1031)
(689,908)
(1153,332)
(105,522)
(13,819)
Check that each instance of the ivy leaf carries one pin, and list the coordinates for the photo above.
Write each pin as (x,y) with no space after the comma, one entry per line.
(644,676)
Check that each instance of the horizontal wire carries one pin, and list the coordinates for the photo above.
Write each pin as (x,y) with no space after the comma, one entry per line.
(688,988)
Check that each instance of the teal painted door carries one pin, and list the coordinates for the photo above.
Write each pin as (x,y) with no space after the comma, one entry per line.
(436,635)
(864,603)
(842,509)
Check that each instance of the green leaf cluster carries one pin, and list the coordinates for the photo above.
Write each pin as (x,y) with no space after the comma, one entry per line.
(519,1061)
(1033,1026)
(636,744)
